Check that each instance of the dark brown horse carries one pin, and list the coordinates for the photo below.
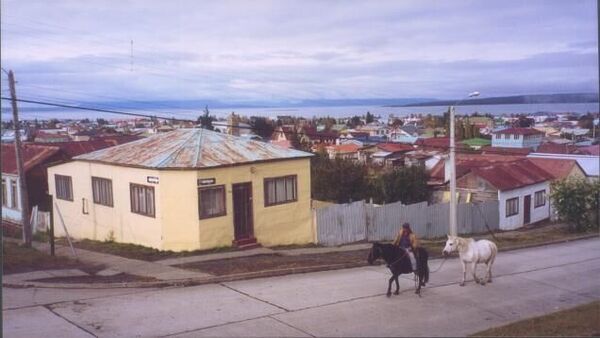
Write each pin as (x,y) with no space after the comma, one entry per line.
(398,262)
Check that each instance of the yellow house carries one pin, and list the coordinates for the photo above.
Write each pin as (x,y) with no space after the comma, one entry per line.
(186,189)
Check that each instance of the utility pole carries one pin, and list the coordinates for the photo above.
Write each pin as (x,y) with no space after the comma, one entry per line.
(20,167)
(453,227)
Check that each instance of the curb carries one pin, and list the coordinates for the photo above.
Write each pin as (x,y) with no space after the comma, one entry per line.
(244,276)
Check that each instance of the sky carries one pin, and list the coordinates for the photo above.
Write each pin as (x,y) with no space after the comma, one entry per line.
(279,51)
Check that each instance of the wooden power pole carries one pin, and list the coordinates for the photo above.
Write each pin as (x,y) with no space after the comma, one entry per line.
(27,233)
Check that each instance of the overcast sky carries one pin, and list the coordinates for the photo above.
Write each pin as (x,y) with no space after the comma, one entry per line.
(282,50)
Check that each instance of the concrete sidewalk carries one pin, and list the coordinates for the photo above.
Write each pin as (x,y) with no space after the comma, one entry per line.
(126,265)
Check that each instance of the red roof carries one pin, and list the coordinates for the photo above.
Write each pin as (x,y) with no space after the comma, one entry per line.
(283,143)
(505,150)
(519,131)
(345,148)
(466,162)
(509,176)
(32,156)
(74,148)
(395,147)
(558,168)
(591,150)
(553,148)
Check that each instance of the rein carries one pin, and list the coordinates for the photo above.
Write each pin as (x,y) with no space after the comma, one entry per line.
(397,260)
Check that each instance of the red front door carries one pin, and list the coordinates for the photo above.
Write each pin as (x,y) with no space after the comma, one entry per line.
(527,210)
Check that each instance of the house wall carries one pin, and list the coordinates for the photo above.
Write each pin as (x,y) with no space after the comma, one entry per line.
(283,224)
(522,141)
(9,213)
(102,221)
(537,214)
(177,225)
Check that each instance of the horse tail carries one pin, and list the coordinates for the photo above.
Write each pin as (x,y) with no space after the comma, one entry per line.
(423,265)
(494,252)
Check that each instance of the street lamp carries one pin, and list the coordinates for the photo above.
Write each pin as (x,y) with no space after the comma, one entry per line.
(453,213)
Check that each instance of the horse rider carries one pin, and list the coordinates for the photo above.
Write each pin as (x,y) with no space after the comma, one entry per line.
(407,240)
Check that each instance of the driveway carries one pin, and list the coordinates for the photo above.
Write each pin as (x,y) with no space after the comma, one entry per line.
(351,302)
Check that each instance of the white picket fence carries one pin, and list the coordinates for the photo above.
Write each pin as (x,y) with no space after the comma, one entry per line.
(359,221)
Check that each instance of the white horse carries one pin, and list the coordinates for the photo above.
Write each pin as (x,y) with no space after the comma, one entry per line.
(473,252)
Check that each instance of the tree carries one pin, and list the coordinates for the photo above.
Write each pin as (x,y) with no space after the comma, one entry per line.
(577,202)
(524,122)
(370,118)
(338,180)
(408,185)
(586,121)
(354,122)
(100,121)
(262,127)
(205,120)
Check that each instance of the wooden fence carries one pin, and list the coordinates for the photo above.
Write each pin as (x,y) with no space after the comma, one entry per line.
(359,221)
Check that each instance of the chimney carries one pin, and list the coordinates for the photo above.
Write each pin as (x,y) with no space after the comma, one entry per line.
(233,122)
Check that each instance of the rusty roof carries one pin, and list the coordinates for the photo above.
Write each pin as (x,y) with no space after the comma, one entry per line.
(558,168)
(32,156)
(512,175)
(191,149)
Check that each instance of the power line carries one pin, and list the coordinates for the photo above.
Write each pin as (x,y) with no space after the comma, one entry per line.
(60,105)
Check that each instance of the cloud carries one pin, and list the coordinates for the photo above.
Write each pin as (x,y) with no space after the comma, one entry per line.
(275,50)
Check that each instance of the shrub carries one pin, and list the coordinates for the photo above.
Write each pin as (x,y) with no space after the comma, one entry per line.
(577,202)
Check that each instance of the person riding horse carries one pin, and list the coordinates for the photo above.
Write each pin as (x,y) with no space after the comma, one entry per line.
(407,240)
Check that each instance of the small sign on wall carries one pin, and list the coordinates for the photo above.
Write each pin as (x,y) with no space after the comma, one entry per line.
(152,179)
(206,181)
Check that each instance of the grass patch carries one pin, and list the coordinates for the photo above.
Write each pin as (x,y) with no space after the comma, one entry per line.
(17,259)
(579,321)
(135,251)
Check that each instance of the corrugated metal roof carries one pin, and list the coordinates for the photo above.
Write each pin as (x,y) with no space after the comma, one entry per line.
(508,176)
(32,156)
(189,149)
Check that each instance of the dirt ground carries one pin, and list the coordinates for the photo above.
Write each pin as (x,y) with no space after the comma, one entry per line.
(276,261)
(581,321)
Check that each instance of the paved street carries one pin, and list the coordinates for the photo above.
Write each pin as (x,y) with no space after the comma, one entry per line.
(350,302)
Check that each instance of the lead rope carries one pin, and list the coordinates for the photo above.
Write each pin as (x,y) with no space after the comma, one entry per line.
(439,267)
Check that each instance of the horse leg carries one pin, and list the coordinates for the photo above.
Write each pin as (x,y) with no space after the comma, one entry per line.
(464,266)
(474,267)
(397,292)
(389,290)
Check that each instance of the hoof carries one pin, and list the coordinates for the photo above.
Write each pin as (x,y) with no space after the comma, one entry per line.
(462,284)
(396,292)
(489,281)
(389,294)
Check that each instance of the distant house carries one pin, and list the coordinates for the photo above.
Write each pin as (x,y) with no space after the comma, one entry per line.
(46,137)
(517,138)
(37,157)
(343,151)
(521,188)
(187,189)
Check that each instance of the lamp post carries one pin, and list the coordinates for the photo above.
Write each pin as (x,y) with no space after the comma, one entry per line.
(453,211)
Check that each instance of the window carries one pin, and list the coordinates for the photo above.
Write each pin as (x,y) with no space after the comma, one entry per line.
(142,199)
(515,136)
(4,194)
(540,198)
(64,187)
(14,197)
(280,190)
(102,191)
(512,206)
(211,201)
(498,136)
(506,136)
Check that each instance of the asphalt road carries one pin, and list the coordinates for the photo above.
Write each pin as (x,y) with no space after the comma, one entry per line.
(351,302)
